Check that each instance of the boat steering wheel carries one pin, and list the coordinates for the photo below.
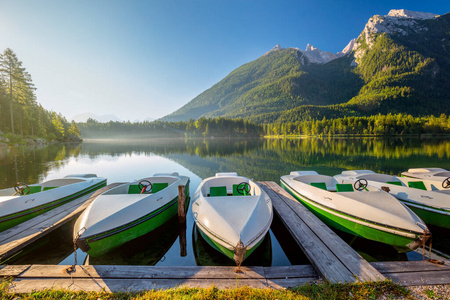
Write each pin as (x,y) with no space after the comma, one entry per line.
(243,188)
(22,189)
(143,186)
(446,183)
(360,184)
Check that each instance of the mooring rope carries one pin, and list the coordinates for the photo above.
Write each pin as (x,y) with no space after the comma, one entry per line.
(72,268)
(431,260)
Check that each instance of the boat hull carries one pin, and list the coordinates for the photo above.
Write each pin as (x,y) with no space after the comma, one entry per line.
(100,244)
(227,252)
(357,227)
(431,216)
(12,220)
(232,222)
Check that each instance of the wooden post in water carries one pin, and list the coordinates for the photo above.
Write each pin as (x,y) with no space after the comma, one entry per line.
(182,220)
(181,204)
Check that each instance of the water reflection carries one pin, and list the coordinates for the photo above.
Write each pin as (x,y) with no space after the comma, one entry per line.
(146,250)
(205,255)
(124,161)
(57,245)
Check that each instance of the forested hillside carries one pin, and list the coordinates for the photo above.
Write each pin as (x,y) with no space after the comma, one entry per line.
(20,113)
(394,68)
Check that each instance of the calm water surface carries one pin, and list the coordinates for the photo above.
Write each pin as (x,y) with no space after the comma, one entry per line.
(124,161)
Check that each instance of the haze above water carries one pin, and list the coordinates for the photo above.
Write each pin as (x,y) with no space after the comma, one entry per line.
(260,159)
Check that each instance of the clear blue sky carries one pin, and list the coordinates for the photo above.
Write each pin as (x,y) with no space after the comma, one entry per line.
(140,59)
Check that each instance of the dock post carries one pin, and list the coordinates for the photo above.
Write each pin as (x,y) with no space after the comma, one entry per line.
(182,220)
(181,204)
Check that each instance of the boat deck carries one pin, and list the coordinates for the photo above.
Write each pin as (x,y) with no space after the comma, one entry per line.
(331,259)
(16,238)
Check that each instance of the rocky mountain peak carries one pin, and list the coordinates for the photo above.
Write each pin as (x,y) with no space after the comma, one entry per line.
(404,13)
(398,21)
(315,55)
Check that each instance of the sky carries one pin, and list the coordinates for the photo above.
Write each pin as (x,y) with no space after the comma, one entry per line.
(139,59)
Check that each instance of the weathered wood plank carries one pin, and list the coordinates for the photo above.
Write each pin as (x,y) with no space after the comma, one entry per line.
(283,272)
(17,237)
(290,282)
(143,272)
(356,265)
(128,285)
(409,266)
(12,271)
(320,256)
(420,278)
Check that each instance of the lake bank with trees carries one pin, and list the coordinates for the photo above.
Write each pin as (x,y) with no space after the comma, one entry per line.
(378,125)
(22,119)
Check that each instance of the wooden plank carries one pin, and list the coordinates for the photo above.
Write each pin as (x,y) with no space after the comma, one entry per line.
(420,278)
(17,237)
(126,285)
(12,271)
(284,272)
(356,265)
(290,282)
(320,256)
(143,272)
(409,266)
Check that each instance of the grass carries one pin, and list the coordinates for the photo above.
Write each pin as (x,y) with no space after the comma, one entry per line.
(371,290)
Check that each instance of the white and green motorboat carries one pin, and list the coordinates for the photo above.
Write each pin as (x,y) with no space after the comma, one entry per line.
(432,206)
(128,211)
(433,178)
(357,209)
(24,202)
(233,214)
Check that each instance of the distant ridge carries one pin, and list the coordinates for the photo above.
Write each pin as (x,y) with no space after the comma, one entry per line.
(400,63)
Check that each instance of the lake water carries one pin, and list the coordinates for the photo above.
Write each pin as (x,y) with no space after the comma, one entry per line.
(259,159)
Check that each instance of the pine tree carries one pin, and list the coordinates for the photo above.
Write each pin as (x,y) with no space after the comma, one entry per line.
(17,83)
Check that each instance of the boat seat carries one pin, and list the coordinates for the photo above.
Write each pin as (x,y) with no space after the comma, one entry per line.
(215,191)
(49,188)
(320,185)
(156,187)
(394,182)
(34,189)
(134,189)
(236,193)
(344,187)
(417,185)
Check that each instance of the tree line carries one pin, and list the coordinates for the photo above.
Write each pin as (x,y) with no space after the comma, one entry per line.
(203,127)
(20,113)
(379,125)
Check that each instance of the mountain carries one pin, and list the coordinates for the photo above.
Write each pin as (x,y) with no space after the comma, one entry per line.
(399,63)
(81,118)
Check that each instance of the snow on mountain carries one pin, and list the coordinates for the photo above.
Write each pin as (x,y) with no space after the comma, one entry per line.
(398,21)
(317,56)
(411,14)
(348,49)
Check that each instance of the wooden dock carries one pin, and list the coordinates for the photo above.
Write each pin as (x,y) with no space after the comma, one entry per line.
(27,278)
(18,237)
(331,259)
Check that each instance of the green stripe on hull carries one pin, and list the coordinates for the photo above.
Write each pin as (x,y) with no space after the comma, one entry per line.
(351,227)
(430,217)
(99,246)
(227,252)
(20,217)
